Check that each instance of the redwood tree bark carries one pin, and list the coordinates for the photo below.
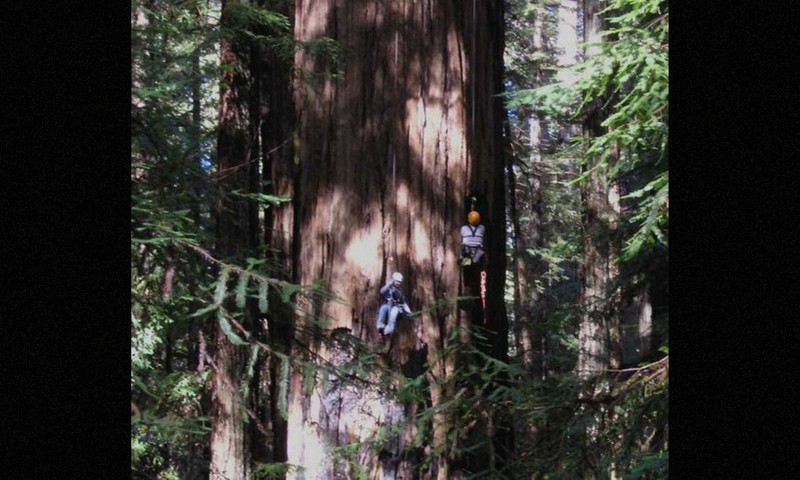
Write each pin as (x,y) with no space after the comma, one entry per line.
(386,155)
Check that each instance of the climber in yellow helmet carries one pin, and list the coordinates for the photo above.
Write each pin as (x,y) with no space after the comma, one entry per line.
(472,236)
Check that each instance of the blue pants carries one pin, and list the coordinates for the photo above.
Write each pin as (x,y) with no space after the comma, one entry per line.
(393,311)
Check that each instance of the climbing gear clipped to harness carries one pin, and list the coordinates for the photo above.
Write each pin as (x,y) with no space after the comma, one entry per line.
(468,255)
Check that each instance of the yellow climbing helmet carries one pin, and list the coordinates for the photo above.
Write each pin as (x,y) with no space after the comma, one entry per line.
(474,218)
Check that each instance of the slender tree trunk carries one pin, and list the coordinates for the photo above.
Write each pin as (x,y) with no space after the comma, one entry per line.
(599,333)
(276,112)
(235,241)
(528,235)
(386,156)
(599,329)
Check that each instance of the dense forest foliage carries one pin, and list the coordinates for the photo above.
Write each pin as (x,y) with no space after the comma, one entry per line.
(238,324)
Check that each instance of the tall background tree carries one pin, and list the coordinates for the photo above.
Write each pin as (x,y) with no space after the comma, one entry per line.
(618,92)
(173,105)
(237,240)
(199,284)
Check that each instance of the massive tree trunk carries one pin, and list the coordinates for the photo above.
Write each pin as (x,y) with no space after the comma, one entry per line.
(387,154)
(236,240)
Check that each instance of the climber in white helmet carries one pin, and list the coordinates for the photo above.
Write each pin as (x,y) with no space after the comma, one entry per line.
(394,305)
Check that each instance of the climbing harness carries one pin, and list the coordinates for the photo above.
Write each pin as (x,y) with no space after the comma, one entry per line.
(471,241)
(472,237)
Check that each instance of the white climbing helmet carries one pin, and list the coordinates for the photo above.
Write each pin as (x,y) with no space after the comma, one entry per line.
(397,277)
